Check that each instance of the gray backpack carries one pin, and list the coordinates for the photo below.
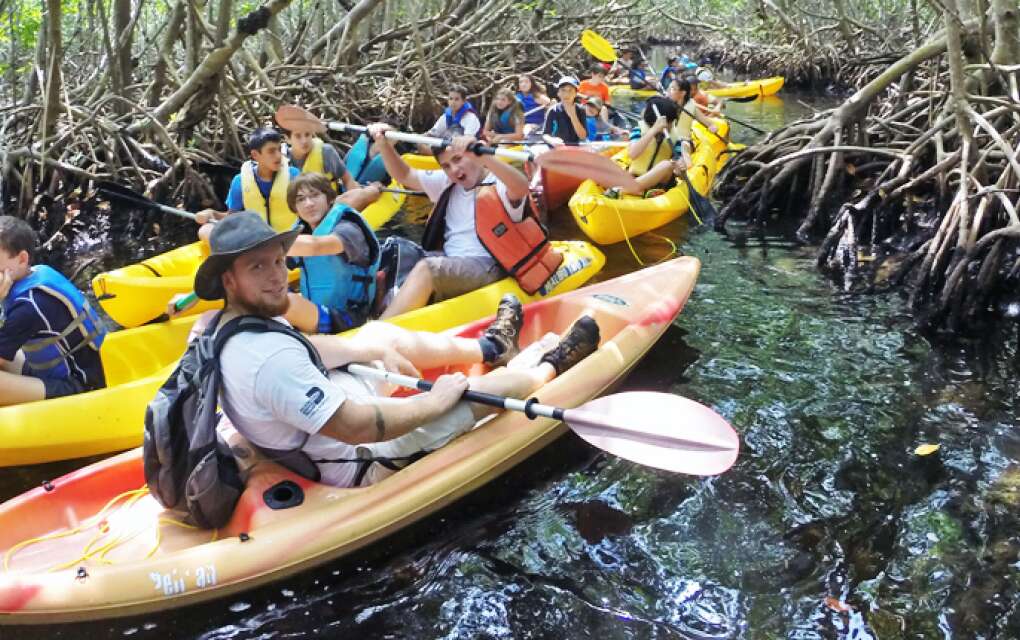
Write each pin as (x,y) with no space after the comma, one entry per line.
(189,468)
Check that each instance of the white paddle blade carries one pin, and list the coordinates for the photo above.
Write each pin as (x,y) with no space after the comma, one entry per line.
(660,430)
(591,166)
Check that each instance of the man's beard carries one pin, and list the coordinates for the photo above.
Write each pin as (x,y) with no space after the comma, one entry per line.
(264,309)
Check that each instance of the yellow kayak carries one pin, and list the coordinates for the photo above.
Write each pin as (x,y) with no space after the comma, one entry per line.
(137,361)
(763,87)
(96,545)
(624,91)
(610,220)
(139,293)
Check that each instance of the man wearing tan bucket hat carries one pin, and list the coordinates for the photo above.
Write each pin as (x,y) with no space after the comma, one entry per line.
(282,391)
(310,154)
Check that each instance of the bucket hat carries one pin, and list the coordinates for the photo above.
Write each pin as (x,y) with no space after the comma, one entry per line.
(232,236)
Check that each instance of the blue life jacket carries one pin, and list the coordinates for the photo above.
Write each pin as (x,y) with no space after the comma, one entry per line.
(504,123)
(47,355)
(455,118)
(528,103)
(592,124)
(364,172)
(335,282)
(637,79)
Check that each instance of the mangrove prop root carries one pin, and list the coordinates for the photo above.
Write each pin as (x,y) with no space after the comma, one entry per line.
(930,202)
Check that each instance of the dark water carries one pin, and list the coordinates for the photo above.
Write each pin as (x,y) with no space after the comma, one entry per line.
(828,526)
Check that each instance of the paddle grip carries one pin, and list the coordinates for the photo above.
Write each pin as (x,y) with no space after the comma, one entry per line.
(480,149)
(469,395)
(186,301)
(343,126)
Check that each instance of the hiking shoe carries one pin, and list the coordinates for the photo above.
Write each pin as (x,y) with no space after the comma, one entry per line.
(654,193)
(505,330)
(580,341)
(612,192)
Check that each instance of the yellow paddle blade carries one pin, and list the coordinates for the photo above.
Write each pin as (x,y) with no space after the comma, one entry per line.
(597,46)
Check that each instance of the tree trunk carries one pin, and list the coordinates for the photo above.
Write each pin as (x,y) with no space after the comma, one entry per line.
(1006,16)
(33,80)
(343,28)
(214,64)
(122,38)
(12,63)
(271,41)
(165,53)
(52,105)
(844,25)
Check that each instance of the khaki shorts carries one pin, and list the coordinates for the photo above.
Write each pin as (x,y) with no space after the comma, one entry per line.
(456,275)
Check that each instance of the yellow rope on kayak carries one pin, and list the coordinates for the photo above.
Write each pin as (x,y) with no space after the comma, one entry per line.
(623,229)
(99,521)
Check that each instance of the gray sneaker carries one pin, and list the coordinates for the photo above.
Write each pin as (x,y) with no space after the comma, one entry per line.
(505,330)
(580,341)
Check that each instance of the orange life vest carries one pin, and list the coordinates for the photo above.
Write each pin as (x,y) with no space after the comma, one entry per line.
(522,248)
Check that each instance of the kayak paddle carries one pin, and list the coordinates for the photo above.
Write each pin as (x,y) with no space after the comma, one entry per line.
(658,430)
(749,126)
(119,192)
(430,141)
(597,46)
(594,144)
(703,210)
(583,165)
(180,305)
(406,192)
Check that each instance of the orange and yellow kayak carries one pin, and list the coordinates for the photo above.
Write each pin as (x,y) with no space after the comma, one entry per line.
(94,544)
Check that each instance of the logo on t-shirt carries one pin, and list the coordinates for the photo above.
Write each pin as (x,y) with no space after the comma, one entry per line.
(315,397)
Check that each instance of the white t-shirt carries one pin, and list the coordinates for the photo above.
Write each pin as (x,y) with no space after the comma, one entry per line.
(461,239)
(275,397)
(469,122)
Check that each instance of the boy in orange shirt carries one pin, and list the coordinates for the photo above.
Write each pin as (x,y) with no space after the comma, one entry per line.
(596,85)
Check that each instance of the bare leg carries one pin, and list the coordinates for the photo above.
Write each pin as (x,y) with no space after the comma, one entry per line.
(655,176)
(514,383)
(413,294)
(14,366)
(461,418)
(302,313)
(16,389)
(422,348)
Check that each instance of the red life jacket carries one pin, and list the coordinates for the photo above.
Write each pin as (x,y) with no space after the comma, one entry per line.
(522,248)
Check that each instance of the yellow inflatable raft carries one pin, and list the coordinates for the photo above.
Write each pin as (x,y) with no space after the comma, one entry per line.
(94,544)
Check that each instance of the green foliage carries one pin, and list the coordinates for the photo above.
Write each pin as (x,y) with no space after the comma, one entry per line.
(24,21)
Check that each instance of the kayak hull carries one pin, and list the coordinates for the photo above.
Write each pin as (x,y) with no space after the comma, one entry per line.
(137,361)
(138,293)
(143,573)
(611,220)
(759,88)
(763,87)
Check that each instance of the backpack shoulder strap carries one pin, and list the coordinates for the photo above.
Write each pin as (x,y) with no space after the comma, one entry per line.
(259,324)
